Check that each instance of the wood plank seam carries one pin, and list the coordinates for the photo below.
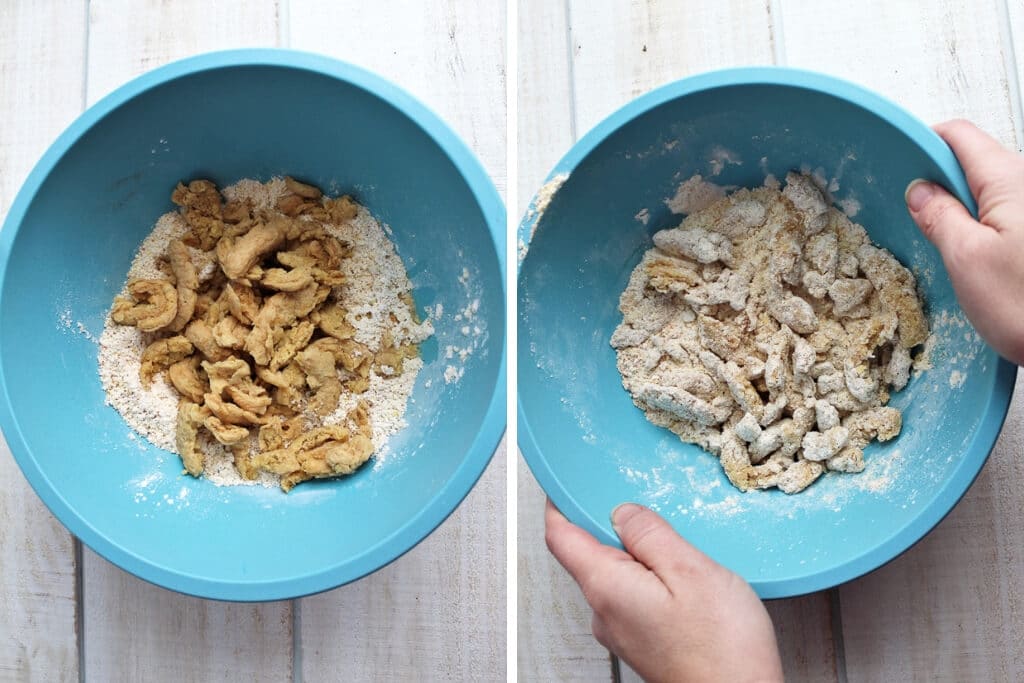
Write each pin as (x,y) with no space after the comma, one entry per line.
(87,6)
(570,51)
(1012,74)
(79,607)
(296,606)
(838,649)
(570,44)
(776,34)
(919,618)
(777,37)
(283,11)
(76,543)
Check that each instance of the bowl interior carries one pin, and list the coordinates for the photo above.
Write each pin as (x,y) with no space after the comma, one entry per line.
(99,199)
(591,448)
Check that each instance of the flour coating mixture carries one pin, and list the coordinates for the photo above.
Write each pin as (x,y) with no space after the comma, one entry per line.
(266,333)
(767,329)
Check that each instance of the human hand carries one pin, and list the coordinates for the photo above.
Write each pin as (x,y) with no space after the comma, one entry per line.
(665,608)
(984,257)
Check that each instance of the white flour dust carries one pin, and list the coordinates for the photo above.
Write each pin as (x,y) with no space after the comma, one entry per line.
(538,207)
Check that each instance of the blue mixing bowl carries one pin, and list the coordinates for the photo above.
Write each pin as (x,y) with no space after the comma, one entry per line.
(591,448)
(64,252)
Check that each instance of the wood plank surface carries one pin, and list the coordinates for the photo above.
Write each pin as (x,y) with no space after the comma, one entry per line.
(555,643)
(545,116)
(950,609)
(620,50)
(806,654)
(553,625)
(439,611)
(1012,40)
(624,49)
(39,43)
(134,630)
(450,55)
(128,38)
(940,60)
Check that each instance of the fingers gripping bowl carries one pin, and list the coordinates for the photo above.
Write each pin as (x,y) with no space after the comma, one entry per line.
(64,252)
(591,448)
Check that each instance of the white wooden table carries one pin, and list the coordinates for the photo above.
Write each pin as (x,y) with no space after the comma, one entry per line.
(65,613)
(950,609)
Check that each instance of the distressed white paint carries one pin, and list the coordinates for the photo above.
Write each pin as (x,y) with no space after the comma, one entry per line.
(950,609)
(940,60)
(444,600)
(41,43)
(440,609)
(450,55)
(1013,55)
(134,630)
(436,612)
(128,38)
(545,114)
(554,637)
(618,51)
(554,640)
(624,49)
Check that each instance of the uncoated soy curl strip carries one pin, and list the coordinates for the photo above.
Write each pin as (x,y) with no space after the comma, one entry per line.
(374,292)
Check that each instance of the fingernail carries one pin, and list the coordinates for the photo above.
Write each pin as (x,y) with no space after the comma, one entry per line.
(622,512)
(918,193)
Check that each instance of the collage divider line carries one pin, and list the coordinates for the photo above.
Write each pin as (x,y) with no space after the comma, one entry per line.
(511,313)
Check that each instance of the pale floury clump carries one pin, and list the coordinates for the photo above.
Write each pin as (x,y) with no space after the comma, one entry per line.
(767,329)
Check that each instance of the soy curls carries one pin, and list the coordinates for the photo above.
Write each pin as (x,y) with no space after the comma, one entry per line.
(261,350)
(769,330)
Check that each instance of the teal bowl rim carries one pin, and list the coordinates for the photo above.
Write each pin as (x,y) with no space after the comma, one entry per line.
(953,178)
(480,451)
